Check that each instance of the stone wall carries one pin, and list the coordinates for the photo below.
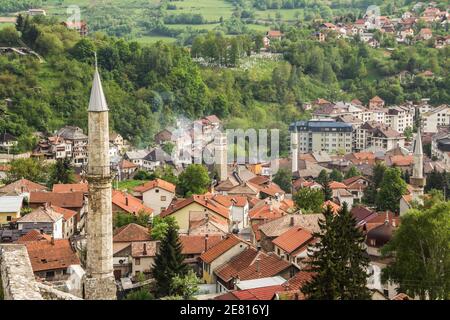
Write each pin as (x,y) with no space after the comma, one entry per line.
(17,277)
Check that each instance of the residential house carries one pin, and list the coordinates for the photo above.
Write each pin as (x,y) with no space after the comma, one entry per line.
(22,187)
(425,34)
(376,102)
(45,219)
(156,194)
(50,260)
(124,202)
(435,118)
(136,157)
(79,143)
(143,256)
(272,35)
(194,245)
(36,12)
(292,245)
(8,141)
(10,207)
(71,187)
(197,205)
(127,169)
(123,238)
(251,264)
(80,26)
(219,254)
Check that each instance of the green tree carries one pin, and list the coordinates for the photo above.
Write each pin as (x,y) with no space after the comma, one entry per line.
(336,175)
(30,169)
(61,172)
(391,190)
(370,193)
(422,254)
(169,263)
(309,200)
(353,172)
(185,286)
(338,259)
(142,293)
(161,225)
(283,178)
(323,177)
(194,180)
(327,192)
(9,36)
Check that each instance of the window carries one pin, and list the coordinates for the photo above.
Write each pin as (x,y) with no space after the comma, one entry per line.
(50,274)
(163,198)
(137,261)
(157,190)
(8,218)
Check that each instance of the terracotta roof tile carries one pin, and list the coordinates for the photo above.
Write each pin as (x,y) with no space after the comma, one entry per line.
(195,244)
(252,264)
(203,200)
(130,233)
(34,235)
(63,200)
(220,248)
(293,239)
(128,203)
(75,187)
(157,183)
(298,280)
(47,256)
(65,212)
(337,185)
(264,293)
(22,185)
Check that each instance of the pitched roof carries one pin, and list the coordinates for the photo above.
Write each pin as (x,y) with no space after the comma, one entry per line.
(205,201)
(42,214)
(263,293)
(195,244)
(266,212)
(252,264)
(278,226)
(74,187)
(47,256)
(220,248)
(9,204)
(130,233)
(97,102)
(34,235)
(292,239)
(157,183)
(63,200)
(376,99)
(362,213)
(334,206)
(22,185)
(337,185)
(125,164)
(298,280)
(128,203)
(65,212)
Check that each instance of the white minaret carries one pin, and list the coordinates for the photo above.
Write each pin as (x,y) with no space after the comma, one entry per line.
(220,142)
(417,179)
(99,283)
(294,150)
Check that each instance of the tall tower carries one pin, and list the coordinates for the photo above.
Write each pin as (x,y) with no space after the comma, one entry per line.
(417,179)
(294,149)
(220,142)
(99,283)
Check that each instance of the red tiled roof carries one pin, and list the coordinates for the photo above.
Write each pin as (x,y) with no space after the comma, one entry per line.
(203,200)
(47,256)
(402,160)
(274,33)
(292,239)
(228,201)
(125,164)
(195,244)
(34,235)
(298,280)
(351,180)
(23,185)
(63,200)
(220,248)
(376,99)
(252,264)
(75,187)
(272,189)
(334,206)
(264,293)
(157,183)
(337,185)
(258,180)
(65,212)
(265,212)
(128,203)
(130,233)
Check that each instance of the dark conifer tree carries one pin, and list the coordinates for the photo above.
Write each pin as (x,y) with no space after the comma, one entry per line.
(338,260)
(169,262)
(327,192)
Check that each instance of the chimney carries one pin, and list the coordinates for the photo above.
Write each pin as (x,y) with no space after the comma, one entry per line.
(52,241)
(144,251)
(206,242)
(257,265)
(42,231)
(292,221)
(126,200)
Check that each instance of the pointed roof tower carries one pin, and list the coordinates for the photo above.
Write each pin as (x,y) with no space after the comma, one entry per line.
(97,103)
(418,149)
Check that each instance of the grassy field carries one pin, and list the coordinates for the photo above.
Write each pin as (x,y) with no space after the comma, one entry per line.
(212,10)
(3,25)
(128,184)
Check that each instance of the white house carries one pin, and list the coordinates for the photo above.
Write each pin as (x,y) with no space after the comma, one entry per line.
(156,194)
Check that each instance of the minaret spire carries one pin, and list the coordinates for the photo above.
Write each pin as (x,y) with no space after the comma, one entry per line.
(97,102)
(417,179)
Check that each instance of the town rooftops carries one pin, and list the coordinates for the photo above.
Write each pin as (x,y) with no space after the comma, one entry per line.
(125,164)
(51,255)
(63,200)
(197,244)
(278,226)
(220,248)
(41,215)
(10,204)
(252,264)
(157,183)
(262,294)
(21,186)
(274,33)
(137,154)
(292,239)
(7,137)
(34,235)
(130,233)
(72,133)
(74,187)
(205,201)
(128,203)
(320,126)
(67,214)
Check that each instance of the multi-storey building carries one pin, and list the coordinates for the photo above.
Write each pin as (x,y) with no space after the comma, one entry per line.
(379,136)
(325,135)
(435,118)
(79,142)
(400,118)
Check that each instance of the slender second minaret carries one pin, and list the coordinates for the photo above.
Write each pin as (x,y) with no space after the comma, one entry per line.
(99,283)
(221,155)
(294,149)
(417,179)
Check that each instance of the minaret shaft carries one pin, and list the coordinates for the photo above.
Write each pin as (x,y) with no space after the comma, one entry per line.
(99,283)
